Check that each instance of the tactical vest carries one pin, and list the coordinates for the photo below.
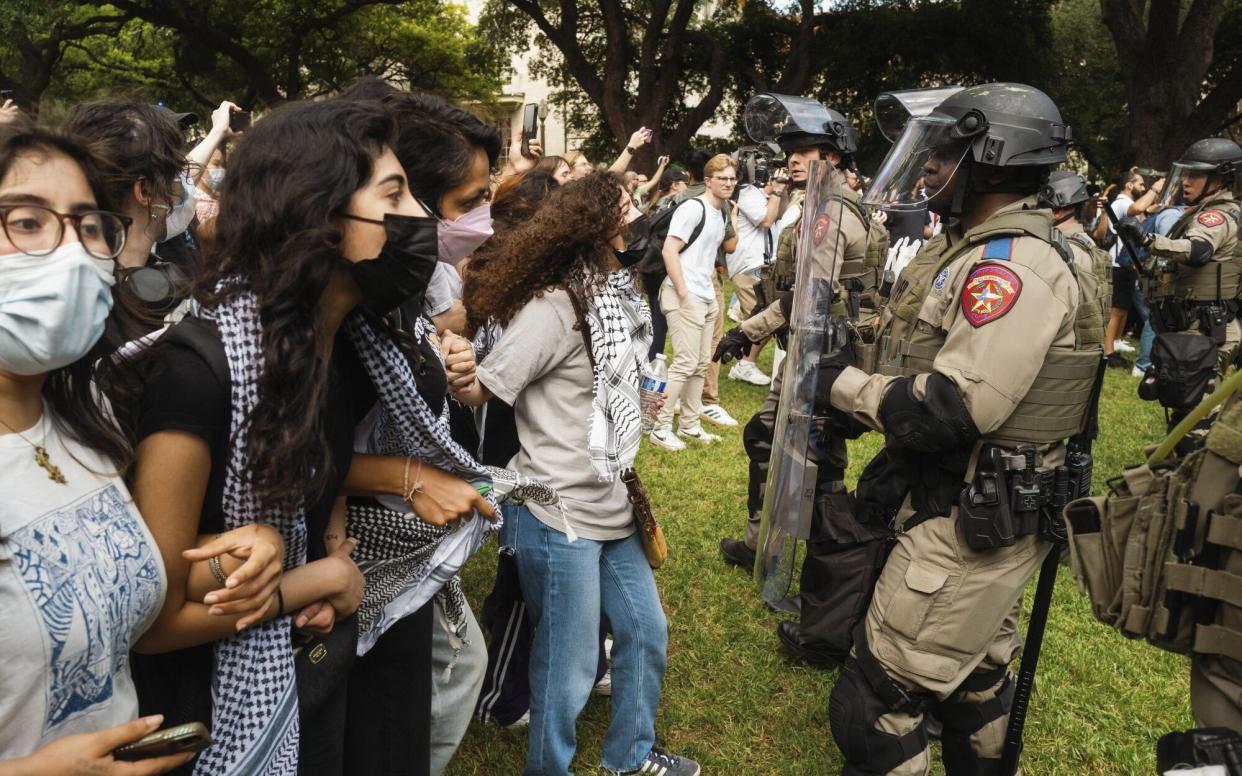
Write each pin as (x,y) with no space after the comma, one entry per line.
(1055,407)
(871,269)
(1161,556)
(780,276)
(1094,272)
(1214,281)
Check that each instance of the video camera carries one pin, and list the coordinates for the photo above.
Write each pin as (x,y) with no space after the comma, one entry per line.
(755,164)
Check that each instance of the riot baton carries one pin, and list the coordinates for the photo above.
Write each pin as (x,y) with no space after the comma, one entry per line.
(1112,219)
(1030,658)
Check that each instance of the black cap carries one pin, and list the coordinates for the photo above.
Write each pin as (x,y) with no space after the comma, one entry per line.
(183,120)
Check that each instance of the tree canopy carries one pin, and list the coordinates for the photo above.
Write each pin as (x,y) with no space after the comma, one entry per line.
(256,52)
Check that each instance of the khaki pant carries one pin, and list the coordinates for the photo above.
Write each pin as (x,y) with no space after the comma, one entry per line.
(940,612)
(690,327)
(745,283)
(711,380)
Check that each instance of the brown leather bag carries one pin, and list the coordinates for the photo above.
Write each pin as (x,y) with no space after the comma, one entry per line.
(649,531)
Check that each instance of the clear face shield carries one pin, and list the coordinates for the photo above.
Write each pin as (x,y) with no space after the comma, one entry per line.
(1183,186)
(766,116)
(894,109)
(919,165)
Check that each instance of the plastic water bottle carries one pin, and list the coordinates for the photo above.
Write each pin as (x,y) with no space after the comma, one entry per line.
(651,390)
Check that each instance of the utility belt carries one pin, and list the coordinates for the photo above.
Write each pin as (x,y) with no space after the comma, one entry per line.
(1009,498)
(1212,317)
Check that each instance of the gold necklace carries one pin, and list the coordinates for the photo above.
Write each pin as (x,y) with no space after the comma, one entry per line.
(41,458)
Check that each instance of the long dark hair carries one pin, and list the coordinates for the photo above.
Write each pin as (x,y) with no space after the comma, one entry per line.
(140,141)
(69,391)
(436,143)
(565,244)
(289,179)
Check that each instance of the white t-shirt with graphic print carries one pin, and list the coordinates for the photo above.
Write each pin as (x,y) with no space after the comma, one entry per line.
(80,580)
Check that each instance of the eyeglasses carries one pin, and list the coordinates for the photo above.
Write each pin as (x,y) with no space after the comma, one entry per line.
(37,231)
(724,180)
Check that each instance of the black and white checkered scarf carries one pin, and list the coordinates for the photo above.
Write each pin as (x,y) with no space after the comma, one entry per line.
(254,695)
(620,326)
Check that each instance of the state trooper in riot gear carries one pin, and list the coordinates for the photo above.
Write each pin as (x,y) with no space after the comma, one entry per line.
(1064,194)
(982,377)
(1194,282)
(806,131)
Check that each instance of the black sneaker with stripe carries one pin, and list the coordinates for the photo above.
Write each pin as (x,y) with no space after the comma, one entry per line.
(660,763)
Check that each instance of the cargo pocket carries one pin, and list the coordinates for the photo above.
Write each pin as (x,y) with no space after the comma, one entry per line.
(908,608)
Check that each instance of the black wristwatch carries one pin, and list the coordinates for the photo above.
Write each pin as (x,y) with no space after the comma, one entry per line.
(631,150)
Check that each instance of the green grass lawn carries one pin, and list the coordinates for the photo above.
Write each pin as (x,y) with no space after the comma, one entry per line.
(734,704)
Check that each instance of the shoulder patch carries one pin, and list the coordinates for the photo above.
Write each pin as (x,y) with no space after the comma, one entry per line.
(820,231)
(999,248)
(1210,218)
(941,279)
(991,290)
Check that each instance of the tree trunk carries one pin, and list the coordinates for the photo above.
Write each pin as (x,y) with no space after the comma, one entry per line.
(1164,68)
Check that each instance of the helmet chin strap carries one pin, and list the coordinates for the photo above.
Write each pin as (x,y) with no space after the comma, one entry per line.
(1063,218)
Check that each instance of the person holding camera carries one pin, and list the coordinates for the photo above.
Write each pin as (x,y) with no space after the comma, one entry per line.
(758,208)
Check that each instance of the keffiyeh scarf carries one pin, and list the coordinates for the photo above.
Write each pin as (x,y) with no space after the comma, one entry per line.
(620,325)
(254,694)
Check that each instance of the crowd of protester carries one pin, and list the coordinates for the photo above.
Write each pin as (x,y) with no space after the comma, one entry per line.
(251,380)
(250,388)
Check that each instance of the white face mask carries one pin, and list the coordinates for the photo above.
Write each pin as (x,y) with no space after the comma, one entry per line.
(52,308)
(181,214)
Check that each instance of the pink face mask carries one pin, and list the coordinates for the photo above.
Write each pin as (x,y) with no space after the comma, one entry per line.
(460,238)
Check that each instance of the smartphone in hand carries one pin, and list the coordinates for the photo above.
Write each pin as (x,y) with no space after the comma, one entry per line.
(239,120)
(530,126)
(190,737)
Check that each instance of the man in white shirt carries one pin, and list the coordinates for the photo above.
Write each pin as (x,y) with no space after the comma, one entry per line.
(688,299)
(757,211)
(1133,200)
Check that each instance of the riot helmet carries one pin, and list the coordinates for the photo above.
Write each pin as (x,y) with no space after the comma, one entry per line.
(1063,190)
(1211,157)
(1000,125)
(795,123)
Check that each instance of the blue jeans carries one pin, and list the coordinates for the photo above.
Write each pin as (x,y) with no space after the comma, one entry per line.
(1148,335)
(566,587)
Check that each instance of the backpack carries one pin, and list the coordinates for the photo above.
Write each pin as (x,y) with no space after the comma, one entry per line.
(652,262)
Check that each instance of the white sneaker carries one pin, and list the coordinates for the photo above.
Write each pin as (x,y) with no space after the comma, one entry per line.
(604,685)
(663,437)
(1122,346)
(714,413)
(1139,373)
(698,434)
(521,722)
(749,372)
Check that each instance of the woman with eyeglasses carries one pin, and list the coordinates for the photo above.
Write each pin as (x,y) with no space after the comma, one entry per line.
(81,578)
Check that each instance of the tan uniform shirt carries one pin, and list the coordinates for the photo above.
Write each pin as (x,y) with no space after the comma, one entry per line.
(995,337)
(1216,225)
(852,238)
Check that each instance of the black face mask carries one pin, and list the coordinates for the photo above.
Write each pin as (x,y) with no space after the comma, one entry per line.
(636,240)
(404,266)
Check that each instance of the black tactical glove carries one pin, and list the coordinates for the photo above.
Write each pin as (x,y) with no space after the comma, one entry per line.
(734,344)
(833,363)
(1132,232)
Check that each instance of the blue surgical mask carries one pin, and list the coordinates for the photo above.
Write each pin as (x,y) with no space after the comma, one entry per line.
(52,308)
(180,214)
(215,178)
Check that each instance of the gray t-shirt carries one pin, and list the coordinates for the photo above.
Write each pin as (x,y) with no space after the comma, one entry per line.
(81,579)
(540,367)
